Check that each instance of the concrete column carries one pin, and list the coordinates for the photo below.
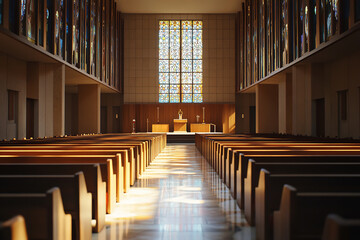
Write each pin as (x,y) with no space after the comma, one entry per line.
(89,108)
(267,108)
(59,100)
(301,95)
(285,103)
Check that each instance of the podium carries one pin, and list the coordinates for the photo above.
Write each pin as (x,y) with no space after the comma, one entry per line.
(160,127)
(180,125)
(200,127)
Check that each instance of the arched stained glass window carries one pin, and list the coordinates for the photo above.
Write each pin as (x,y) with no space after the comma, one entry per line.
(180,61)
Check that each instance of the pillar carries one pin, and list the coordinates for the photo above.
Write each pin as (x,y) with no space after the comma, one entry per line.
(89,108)
(267,114)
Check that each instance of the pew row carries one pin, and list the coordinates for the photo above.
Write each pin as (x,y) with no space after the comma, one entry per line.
(254,168)
(339,228)
(44,214)
(268,193)
(106,166)
(13,229)
(94,182)
(301,214)
(76,199)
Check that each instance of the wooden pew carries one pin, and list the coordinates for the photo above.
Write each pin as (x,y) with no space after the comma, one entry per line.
(120,159)
(241,171)
(76,199)
(94,182)
(268,193)
(302,214)
(13,229)
(254,168)
(106,167)
(43,212)
(339,228)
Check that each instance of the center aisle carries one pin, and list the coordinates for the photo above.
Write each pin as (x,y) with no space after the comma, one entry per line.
(178,197)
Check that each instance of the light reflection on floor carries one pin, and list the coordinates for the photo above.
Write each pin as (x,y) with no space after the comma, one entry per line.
(178,197)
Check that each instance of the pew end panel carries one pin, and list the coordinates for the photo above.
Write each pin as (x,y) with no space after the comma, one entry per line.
(339,228)
(13,229)
(282,228)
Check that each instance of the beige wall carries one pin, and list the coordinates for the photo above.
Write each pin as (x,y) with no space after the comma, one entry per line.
(35,81)
(298,89)
(12,77)
(142,57)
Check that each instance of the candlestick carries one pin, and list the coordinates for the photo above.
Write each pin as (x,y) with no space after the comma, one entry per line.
(203,114)
(158,114)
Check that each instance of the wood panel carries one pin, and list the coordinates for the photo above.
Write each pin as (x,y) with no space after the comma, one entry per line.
(214,113)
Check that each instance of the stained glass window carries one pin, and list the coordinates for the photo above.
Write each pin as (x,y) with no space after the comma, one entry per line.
(1,11)
(180,61)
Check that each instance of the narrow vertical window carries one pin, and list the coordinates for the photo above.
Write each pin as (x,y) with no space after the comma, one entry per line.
(180,61)
(1,12)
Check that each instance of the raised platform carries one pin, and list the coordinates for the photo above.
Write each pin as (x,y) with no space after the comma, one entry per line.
(184,137)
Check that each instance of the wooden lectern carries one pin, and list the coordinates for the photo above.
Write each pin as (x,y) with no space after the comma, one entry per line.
(180,125)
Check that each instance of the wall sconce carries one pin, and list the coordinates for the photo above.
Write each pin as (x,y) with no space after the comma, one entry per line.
(242,116)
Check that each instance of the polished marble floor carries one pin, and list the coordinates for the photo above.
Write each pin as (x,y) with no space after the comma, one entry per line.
(178,197)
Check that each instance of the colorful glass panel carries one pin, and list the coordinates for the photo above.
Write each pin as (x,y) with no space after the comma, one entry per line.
(187,25)
(1,11)
(186,66)
(197,44)
(186,88)
(163,44)
(174,88)
(197,25)
(197,78)
(187,98)
(197,88)
(186,78)
(174,44)
(164,78)
(174,98)
(174,65)
(186,44)
(164,98)
(198,98)
(174,78)
(163,89)
(163,66)
(197,66)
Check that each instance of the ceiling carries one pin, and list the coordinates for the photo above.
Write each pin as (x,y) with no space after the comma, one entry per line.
(179,6)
